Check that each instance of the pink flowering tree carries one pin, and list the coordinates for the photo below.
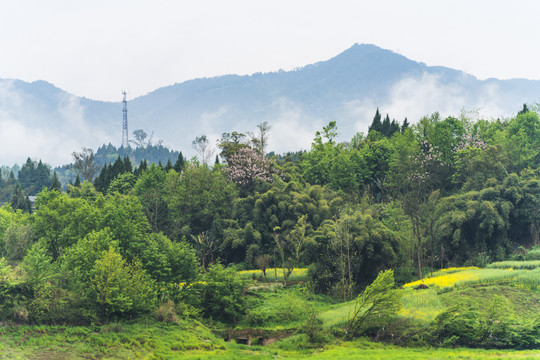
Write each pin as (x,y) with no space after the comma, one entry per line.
(470,140)
(248,165)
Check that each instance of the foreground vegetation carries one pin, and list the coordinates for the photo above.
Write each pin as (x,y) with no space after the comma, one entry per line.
(489,313)
(158,341)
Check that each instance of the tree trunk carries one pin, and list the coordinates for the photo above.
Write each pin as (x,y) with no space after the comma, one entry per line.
(416,231)
(432,245)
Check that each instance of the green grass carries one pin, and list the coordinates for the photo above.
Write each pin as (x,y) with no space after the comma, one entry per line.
(115,341)
(525,265)
(275,274)
(517,278)
(155,341)
(421,305)
(337,315)
(354,352)
(274,307)
(492,275)
(281,308)
(533,254)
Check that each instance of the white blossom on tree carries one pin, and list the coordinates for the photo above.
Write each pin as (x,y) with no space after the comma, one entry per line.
(248,165)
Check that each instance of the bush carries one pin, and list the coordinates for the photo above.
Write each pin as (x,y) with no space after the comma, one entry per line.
(52,304)
(375,305)
(489,326)
(219,294)
(166,312)
(533,254)
(459,325)
(313,327)
(121,288)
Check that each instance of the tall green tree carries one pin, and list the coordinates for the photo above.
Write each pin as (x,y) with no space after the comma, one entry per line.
(196,198)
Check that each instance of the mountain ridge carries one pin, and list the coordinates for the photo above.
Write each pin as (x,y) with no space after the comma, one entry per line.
(347,88)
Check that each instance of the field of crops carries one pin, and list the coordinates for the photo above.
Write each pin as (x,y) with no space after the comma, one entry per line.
(510,272)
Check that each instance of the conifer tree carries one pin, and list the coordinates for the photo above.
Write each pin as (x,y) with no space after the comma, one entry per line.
(394,127)
(405,125)
(385,127)
(55,184)
(128,167)
(180,162)
(141,168)
(376,124)
(19,201)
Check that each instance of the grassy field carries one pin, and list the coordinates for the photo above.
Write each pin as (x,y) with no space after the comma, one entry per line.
(527,275)
(192,341)
(277,308)
(527,265)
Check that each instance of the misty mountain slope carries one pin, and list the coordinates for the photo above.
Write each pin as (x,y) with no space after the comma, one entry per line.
(347,88)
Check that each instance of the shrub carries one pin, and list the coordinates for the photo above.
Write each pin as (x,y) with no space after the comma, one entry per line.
(313,327)
(376,304)
(491,326)
(121,288)
(533,254)
(459,325)
(220,294)
(166,312)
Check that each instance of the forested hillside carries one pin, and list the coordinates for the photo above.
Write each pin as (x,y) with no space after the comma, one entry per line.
(143,239)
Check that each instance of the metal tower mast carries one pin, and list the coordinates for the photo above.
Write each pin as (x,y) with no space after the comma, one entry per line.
(125,139)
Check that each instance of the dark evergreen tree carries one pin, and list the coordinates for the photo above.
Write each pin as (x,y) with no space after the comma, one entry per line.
(34,178)
(128,167)
(168,166)
(394,127)
(77,182)
(524,110)
(143,166)
(217,160)
(179,164)
(55,184)
(19,201)
(385,127)
(116,169)
(405,125)
(376,124)
(101,182)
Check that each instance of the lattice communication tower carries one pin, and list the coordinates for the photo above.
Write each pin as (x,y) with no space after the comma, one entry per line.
(125,138)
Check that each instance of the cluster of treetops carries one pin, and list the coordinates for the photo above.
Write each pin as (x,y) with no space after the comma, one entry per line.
(438,193)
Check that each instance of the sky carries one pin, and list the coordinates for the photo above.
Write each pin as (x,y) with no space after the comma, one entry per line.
(98,48)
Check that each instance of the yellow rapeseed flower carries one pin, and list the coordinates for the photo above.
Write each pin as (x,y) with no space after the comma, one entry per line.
(446,280)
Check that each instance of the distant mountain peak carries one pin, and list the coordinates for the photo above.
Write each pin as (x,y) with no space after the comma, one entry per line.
(348,88)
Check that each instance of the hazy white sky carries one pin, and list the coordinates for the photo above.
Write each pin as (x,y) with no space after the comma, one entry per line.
(97,48)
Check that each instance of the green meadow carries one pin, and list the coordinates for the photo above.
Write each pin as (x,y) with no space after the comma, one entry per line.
(511,297)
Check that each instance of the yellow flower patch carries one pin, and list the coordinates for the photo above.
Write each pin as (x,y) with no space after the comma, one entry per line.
(447,280)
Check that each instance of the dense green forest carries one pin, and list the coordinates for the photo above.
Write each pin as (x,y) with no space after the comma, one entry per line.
(130,239)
